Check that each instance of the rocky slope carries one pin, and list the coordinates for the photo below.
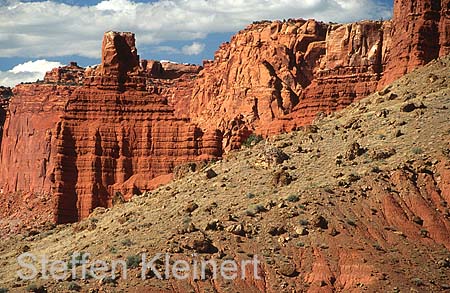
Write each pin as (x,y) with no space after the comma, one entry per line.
(356,202)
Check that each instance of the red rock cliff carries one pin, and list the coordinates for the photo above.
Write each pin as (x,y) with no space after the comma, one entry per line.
(272,77)
(276,76)
(420,33)
(83,144)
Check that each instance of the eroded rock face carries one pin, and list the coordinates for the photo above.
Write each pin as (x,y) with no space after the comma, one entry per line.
(70,74)
(119,132)
(276,76)
(350,70)
(420,33)
(258,77)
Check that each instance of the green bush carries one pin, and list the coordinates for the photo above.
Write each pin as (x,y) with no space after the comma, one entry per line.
(304,222)
(293,198)
(133,261)
(417,150)
(252,140)
(74,286)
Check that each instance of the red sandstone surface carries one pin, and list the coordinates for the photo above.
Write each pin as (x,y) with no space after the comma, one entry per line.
(274,77)
(85,144)
(86,136)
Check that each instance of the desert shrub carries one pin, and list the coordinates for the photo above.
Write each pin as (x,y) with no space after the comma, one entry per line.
(250,195)
(417,150)
(35,288)
(293,198)
(417,281)
(351,222)
(127,242)
(304,222)
(255,209)
(74,286)
(252,140)
(133,261)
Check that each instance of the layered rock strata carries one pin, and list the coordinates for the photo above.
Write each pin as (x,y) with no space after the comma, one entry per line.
(110,137)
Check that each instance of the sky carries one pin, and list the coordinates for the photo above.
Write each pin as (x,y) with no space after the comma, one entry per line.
(36,36)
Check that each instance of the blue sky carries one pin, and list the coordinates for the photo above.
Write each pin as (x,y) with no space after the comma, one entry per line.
(185,31)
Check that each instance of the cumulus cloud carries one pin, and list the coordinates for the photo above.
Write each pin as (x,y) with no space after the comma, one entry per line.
(42,29)
(25,72)
(194,49)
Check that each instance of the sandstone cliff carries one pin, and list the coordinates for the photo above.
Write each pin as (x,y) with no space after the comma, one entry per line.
(420,33)
(276,76)
(109,137)
(273,77)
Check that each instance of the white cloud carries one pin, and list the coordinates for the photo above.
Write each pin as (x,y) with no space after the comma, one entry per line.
(25,72)
(41,66)
(42,29)
(194,49)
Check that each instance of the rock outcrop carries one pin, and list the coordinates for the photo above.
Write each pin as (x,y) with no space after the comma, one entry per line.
(258,77)
(70,74)
(109,137)
(276,76)
(420,33)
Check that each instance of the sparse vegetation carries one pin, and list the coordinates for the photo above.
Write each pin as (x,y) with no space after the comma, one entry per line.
(351,222)
(293,198)
(74,286)
(255,209)
(304,222)
(302,206)
(109,280)
(417,282)
(133,261)
(36,289)
(127,242)
(417,150)
(252,140)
